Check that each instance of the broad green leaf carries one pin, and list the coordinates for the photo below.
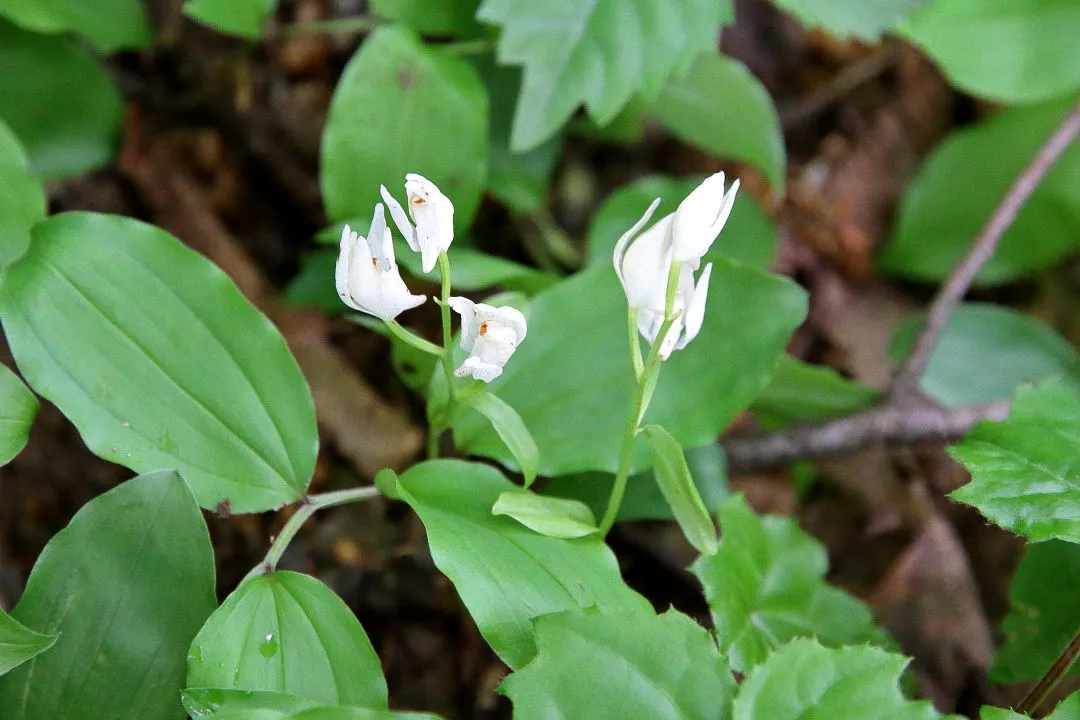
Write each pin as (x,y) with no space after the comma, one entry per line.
(720,107)
(110,25)
(677,485)
(159,360)
(577,353)
(23,201)
(608,665)
(805,680)
(125,586)
(766,585)
(643,500)
(996,713)
(218,704)
(287,632)
(865,19)
(431,17)
(551,516)
(508,425)
(598,53)
(402,107)
(18,408)
(1042,612)
(801,392)
(938,222)
(506,574)
(43,78)
(986,351)
(19,643)
(244,18)
(749,237)
(1024,472)
(1035,54)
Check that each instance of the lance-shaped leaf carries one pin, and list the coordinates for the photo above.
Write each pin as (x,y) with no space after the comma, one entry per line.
(551,516)
(19,643)
(23,201)
(125,587)
(18,407)
(510,427)
(677,485)
(159,360)
(287,632)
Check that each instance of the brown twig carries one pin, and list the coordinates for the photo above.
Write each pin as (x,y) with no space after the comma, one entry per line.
(888,424)
(1038,694)
(906,382)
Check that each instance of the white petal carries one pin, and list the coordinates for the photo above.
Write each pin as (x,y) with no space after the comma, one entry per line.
(695,309)
(400,218)
(645,267)
(479,369)
(620,247)
(466,308)
(513,319)
(380,242)
(700,217)
(341,270)
(433,214)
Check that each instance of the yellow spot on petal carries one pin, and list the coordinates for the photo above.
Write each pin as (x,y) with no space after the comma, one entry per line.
(483,328)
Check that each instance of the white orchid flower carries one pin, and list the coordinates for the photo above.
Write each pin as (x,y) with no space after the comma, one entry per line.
(489,334)
(680,239)
(367,275)
(433,214)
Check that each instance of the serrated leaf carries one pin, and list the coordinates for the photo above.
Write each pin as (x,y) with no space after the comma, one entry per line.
(801,392)
(723,109)
(125,586)
(44,77)
(577,352)
(865,19)
(675,482)
(19,643)
(244,18)
(804,679)
(18,408)
(1008,347)
(110,24)
(608,665)
(402,107)
(937,226)
(431,17)
(289,633)
(766,585)
(218,704)
(599,54)
(509,426)
(115,321)
(1035,55)
(22,203)
(1043,598)
(551,516)
(1023,469)
(506,574)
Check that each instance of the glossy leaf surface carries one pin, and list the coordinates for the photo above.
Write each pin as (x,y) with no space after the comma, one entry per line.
(677,485)
(551,516)
(23,201)
(218,704)
(18,408)
(19,643)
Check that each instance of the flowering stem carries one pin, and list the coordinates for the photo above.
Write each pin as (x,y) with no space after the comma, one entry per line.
(414,340)
(635,346)
(311,504)
(436,428)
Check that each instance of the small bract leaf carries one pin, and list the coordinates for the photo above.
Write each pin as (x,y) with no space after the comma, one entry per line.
(23,201)
(510,427)
(607,665)
(1024,472)
(18,408)
(673,477)
(110,24)
(19,643)
(765,586)
(551,516)
(219,704)
(865,19)
(125,587)
(289,633)
(244,18)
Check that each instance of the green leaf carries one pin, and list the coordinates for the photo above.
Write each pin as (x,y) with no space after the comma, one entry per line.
(599,54)
(675,482)
(125,587)
(244,18)
(1010,348)
(551,516)
(431,17)
(159,360)
(602,664)
(800,392)
(1042,612)
(804,679)
(643,499)
(287,632)
(749,237)
(506,574)
(19,643)
(44,77)
(23,201)
(1035,55)
(937,223)
(509,426)
(865,19)
(765,586)
(577,352)
(402,107)
(996,713)
(18,408)
(218,704)
(723,109)
(1023,469)
(110,24)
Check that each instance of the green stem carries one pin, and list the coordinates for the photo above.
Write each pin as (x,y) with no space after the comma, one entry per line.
(352,25)
(412,339)
(436,428)
(312,503)
(1038,694)
(635,345)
